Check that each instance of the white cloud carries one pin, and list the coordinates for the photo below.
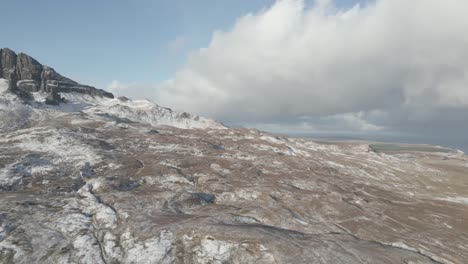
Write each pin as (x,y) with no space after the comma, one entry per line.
(117,87)
(405,61)
(134,90)
(177,44)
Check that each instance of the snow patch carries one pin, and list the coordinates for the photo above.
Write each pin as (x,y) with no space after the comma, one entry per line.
(154,250)
(30,165)
(219,169)
(271,139)
(3,86)
(171,179)
(214,251)
(249,195)
(335,165)
(104,215)
(457,199)
(65,147)
(423,252)
(143,111)
(78,226)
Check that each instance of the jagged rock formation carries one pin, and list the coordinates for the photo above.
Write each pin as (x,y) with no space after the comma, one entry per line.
(25,75)
(8,67)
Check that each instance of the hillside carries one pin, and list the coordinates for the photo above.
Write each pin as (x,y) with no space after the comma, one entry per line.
(97,179)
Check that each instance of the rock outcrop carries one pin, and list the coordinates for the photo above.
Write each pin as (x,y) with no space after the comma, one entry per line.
(8,67)
(26,75)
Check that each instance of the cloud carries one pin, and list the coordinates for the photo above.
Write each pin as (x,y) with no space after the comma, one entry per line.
(134,90)
(117,87)
(350,122)
(177,44)
(389,64)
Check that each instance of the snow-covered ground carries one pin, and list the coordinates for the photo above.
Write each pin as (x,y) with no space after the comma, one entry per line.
(98,180)
(143,111)
(3,86)
(456,199)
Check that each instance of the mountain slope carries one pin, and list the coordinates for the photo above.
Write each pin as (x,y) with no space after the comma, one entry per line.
(15,113)
(102,180)
(40,85)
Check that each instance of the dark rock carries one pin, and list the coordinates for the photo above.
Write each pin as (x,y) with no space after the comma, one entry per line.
(49,74)
(28,75)
(129,185)
(25,95)
(218,147)
(28,204)
(12,87)
(215,146)
(87,171)
(29,85)
(28,68)
(53,98)
(184,115)
(8,63)
(117,119)
(205,198)
(11,77)
(69,87)
(153,131)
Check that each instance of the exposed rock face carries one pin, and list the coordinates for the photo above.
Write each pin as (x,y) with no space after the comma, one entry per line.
(28,68)
(8,61)
(28,75)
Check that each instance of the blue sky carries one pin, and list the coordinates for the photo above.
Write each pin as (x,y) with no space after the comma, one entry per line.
(391,67)
(96,42)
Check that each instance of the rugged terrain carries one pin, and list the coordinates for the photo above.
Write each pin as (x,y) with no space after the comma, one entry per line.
(25,74)
(95,179)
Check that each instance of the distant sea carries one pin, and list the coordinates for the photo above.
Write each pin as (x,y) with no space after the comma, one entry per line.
(448,143)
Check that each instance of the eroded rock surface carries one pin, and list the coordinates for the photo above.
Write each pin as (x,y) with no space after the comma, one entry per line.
(106,183)
(25,75)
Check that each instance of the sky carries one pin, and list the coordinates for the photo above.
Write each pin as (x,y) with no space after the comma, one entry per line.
(378,68)
(133,41)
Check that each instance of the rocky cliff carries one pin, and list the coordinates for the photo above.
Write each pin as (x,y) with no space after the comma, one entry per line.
(26,75)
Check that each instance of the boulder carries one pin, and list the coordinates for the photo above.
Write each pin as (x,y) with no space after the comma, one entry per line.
(53,97)
(204,198)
